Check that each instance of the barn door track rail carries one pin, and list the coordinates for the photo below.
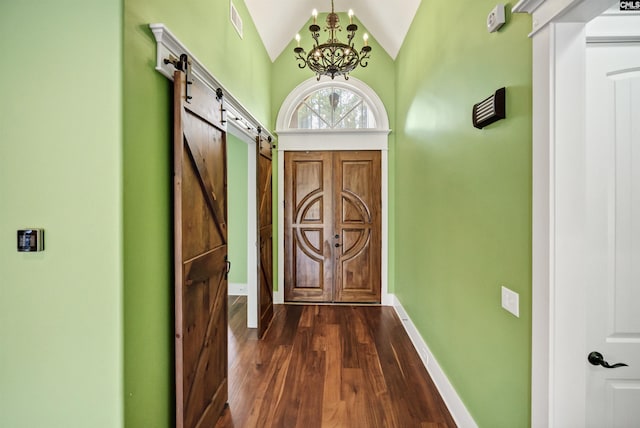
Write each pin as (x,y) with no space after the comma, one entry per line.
(172,54)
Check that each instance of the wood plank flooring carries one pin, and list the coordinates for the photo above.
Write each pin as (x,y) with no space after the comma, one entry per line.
(328,366)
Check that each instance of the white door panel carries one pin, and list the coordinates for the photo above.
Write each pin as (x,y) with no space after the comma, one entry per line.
(612,259)
(623,403)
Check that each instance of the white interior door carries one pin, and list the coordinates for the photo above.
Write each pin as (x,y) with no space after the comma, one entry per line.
(613,233)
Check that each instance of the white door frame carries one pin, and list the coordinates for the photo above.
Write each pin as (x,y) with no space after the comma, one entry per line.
(350,139)
(252,226)
(558,301)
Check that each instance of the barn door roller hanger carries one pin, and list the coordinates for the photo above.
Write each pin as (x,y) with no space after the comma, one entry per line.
(183,64)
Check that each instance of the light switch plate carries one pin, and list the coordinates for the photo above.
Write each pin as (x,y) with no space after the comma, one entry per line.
(511,301)
(495,19)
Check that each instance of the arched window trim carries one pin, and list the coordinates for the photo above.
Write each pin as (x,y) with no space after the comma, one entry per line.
(311,85)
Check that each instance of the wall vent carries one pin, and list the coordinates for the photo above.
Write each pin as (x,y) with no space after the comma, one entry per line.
(490,109)
(236,20)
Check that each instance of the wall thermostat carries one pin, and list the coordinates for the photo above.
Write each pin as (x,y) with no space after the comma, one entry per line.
(495,19)
(30,240)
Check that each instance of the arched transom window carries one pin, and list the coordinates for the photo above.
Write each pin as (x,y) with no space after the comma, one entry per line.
(333,107)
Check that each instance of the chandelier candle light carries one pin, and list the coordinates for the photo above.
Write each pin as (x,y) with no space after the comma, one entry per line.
(333,57)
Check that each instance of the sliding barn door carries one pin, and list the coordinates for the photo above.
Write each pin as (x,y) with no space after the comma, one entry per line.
(332,226)
(200,212)
(265,234)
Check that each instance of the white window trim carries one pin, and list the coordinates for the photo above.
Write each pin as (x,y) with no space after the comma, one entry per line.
(311,85)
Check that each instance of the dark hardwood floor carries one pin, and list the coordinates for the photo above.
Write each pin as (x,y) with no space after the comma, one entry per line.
(328,366)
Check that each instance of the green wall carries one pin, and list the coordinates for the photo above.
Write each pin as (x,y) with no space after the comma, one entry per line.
(237,188)
(243,67)
(379,75)
(60,169)
(463,203)
(89,115)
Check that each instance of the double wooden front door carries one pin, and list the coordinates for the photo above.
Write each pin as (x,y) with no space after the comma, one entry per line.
(332,226)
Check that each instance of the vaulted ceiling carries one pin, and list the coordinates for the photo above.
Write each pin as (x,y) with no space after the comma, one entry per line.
(278,21)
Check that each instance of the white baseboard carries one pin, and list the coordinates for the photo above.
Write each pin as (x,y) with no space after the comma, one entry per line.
(236,289)
(278,296)
(456,407)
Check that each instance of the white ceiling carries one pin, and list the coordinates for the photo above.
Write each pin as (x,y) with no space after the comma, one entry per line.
(278,21)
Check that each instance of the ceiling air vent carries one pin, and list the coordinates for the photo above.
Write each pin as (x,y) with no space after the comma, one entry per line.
(490,109)
(236,20)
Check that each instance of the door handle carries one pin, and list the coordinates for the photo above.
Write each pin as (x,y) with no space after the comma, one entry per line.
(596,359)
(227,269)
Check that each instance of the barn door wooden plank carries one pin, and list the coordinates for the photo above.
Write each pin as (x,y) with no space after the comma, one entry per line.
(265,234)
(208,189)
(200,254)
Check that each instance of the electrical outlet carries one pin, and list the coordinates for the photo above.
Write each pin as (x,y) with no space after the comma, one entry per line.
(496,18)
(511,301)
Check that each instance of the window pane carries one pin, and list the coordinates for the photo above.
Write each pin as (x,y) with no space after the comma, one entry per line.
(332,108)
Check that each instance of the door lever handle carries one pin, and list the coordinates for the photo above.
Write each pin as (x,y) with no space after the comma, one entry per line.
(227,269)
(596,359)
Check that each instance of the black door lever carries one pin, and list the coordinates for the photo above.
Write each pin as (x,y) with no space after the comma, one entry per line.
(596,359)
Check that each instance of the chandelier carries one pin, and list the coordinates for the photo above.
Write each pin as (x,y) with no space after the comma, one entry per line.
(333,58)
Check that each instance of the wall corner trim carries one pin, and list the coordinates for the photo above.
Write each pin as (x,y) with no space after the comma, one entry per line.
(168,45)
(456,407)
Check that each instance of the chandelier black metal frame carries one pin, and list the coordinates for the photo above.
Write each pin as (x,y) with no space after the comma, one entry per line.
(333,58)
